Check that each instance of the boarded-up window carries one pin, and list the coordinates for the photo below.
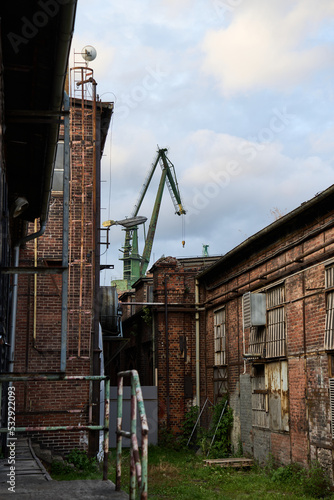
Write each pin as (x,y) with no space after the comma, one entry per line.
(275,342)
(259,397)
(220,337)
(329,328)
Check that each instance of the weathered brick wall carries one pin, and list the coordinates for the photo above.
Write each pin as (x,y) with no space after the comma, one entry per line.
(38,338)
(296,258)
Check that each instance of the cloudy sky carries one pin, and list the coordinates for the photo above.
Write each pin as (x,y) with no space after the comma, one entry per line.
(239,91)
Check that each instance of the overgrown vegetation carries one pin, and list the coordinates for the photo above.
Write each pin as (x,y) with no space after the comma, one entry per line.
(215,441)
(76,465)
(181,474)
(176,469)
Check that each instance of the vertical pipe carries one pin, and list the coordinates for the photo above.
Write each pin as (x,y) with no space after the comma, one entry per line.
(35,288)
(66,205)
(155,378)
(167,356)
(118,433)
(198,393)
(12,327)
(96,269)
(106,428)
(134,444)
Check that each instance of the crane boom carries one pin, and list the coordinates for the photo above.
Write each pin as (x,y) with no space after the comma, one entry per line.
(134,265)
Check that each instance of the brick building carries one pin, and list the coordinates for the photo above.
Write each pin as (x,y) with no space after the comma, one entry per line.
(262,324)
(40,346)
(159,335)
(268,337)
(32,79)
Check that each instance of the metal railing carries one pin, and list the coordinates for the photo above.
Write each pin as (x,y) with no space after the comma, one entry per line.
(12,377)
(138,467)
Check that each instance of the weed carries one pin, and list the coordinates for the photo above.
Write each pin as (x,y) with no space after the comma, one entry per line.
(188,426)
(220,429)
(316,482)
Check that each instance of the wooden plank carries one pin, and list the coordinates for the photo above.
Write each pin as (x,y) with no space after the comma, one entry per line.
(229,462)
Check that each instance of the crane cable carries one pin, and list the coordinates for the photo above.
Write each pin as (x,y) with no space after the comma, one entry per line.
(183,232)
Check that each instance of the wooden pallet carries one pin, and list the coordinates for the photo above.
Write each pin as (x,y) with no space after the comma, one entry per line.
(230,462)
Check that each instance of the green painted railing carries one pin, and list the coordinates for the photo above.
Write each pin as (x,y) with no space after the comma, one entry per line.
(138,467)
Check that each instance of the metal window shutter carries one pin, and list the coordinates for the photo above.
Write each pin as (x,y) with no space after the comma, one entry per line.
(331,398)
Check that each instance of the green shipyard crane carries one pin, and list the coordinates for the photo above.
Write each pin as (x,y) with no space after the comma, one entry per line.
(134,265)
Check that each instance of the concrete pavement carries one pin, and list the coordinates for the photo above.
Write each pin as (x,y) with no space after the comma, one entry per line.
(30,480)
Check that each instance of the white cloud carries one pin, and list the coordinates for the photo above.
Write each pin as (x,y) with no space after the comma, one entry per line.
(268,44)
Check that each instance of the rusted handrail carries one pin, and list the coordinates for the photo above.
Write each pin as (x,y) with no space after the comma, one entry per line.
(16,377)
(138,468)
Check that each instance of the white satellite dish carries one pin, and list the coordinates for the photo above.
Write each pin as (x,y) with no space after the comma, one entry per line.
(89,53)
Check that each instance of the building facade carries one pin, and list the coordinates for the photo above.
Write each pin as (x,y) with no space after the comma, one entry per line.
(41,346)
(268,337)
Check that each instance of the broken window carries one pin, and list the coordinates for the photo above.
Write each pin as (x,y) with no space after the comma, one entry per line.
(329,328)
(220,337)
(58,174)
(259,397)
(268,341)
(275,341)
(220,370)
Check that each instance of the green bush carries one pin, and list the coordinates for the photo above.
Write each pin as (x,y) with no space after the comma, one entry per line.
(316,482)
(188,425)
(221,428)
(81,461)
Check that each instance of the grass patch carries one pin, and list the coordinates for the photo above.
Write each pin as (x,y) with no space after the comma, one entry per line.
(181,474)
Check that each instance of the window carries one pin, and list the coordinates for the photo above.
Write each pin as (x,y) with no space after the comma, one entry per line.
(220,337)
(268,341)
(331,398)
(259,397)
(329,328)
(220,371)
(275,342)
(58,174)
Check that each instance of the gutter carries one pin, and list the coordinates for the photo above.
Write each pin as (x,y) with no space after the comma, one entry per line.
(64,43)
(65,35)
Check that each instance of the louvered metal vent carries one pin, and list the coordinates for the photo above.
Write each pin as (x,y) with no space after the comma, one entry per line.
(331,398)
(253,309)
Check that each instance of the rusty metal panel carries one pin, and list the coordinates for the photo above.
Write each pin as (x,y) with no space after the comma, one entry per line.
(277,387)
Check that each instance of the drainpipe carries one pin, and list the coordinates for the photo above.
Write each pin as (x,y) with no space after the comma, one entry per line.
(66,205)
(197,342)
(167,355)
(14,292)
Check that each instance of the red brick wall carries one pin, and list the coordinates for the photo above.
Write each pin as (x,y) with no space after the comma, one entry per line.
(66,402)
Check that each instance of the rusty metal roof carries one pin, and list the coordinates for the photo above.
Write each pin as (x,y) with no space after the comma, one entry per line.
(36,40)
